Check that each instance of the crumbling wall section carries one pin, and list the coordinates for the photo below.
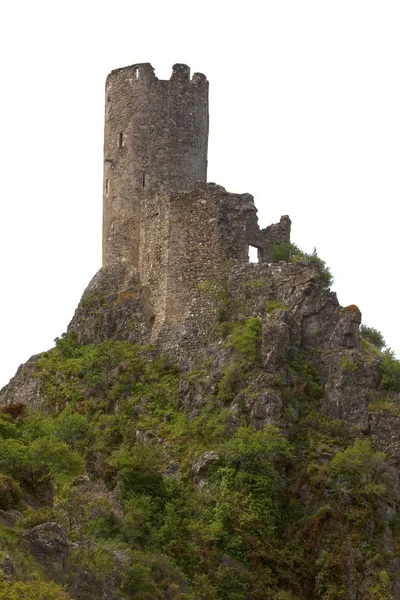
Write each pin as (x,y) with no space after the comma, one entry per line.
(274,235)
(186,237)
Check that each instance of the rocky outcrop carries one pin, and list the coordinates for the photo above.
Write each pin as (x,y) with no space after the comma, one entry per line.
(49,545)
(24,387)
(114,305)
(7,566)
(9,517)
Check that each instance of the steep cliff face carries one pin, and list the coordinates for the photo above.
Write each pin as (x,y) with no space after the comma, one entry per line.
(249,452)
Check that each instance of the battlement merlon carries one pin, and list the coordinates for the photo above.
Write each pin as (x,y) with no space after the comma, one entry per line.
(144,72)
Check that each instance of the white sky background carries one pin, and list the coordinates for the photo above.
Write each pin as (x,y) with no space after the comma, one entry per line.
(304,115)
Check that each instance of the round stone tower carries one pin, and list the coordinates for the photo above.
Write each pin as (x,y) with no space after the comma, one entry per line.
(155,141)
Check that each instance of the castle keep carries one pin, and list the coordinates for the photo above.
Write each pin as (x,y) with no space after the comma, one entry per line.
(162,221)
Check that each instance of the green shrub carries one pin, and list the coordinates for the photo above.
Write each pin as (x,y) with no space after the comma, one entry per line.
(257,451)
(326,276)
(245,336)
(139,470)
(37,462)
(373,336)
(10,493)
(390,372)
(230,382)
(357,475)
(75,430)
(286,252)
(273,305)
(35,590)
(379,404)
(139,519)
(347,364)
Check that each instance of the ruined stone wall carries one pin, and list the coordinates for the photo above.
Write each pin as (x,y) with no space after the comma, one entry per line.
(278,233)
(187,236)
(156,135)
(162,221)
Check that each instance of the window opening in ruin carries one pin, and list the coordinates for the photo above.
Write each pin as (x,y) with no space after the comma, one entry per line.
(253,254)
(107,185)
(144,180)
(120,140)
(136,72)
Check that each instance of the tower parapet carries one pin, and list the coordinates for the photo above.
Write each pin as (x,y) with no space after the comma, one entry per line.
(155,141)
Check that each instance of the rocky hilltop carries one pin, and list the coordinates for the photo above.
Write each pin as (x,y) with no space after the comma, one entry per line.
(262,463)
(207,428)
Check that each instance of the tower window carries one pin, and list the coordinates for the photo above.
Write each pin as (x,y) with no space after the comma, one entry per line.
(144,180)
(120,140)
(107,185)
(253,254)
(136,72)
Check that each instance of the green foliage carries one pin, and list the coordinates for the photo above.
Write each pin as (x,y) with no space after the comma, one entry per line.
(326,276)
(273,305)
(371,350)
(257,451)
(383,403)
(348,364)
(253,285)
(305,378)
(390,372)
(357,475)
(35,590)
(380,589)
(32,459)
(373,336)
(210,427)
(329,582)
(245,336)
(75,430)
(139,470)
(10,493)
(230,382)
(275,514)
(73,373)
(286,252)
(139,518)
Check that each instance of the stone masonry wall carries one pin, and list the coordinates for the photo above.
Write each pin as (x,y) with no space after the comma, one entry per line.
(187,236)
(155,140)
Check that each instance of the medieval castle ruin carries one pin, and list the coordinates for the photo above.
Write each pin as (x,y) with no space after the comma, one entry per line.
(162,221)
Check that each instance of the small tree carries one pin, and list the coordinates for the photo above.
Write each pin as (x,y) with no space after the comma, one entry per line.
(35,590)
(357,475)
(373,336)
(286,251)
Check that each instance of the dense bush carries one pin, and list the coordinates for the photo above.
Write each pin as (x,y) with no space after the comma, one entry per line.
(286,252)
(357,475)
(373,336)
(275,513)
(35,590)
(10,493)
(390,372)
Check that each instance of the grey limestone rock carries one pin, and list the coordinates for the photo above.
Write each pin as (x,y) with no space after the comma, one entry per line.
(267,409)
(7,566)
(49,545)
(201,464)
(24,387)
(9,517)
